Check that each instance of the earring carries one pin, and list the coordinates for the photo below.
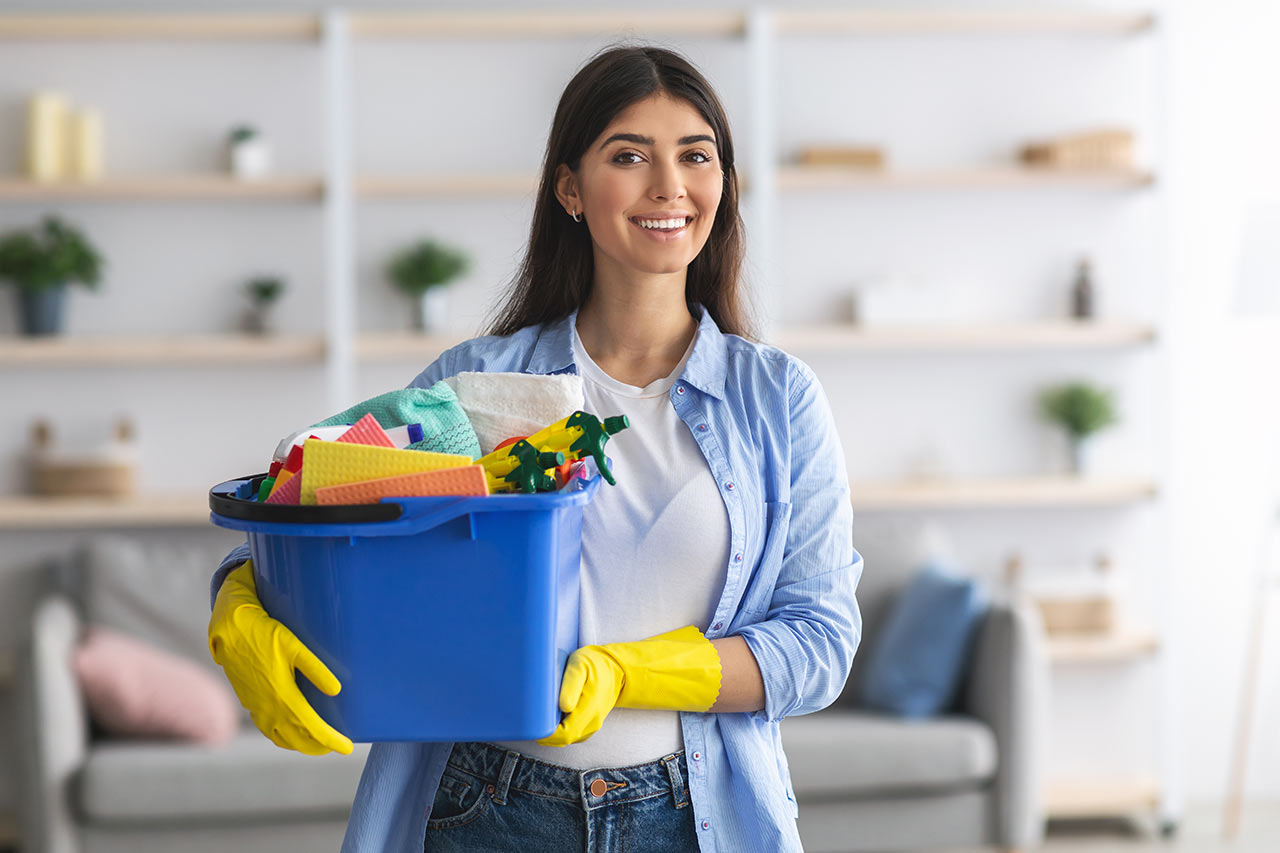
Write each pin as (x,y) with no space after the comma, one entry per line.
(577,217)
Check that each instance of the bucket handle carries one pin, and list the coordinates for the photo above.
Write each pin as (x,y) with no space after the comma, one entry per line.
(413,523)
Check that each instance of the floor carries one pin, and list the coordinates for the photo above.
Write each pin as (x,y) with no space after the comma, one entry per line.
(1199,830)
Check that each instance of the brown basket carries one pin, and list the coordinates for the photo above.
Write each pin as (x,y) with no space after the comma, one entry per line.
(1089,615)
(108,479)
(90,476)
(862,157)
(1103,149)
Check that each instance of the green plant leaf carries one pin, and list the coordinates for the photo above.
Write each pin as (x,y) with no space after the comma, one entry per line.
(52,254)
(425,265)
(1078,407)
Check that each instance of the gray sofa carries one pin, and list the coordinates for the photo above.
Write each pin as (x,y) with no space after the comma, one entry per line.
(82,792)
(968,779)
(863,781)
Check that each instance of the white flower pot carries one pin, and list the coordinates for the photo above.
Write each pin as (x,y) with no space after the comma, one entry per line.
(250,159)
(433,309)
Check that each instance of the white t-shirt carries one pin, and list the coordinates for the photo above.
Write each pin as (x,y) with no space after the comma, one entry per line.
(655,553)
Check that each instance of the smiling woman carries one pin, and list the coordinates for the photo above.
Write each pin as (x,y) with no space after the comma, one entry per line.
(718,574)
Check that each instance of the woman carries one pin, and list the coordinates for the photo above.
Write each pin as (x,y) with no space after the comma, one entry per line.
(718,576)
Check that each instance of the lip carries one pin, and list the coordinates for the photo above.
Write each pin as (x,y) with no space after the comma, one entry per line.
(663,236)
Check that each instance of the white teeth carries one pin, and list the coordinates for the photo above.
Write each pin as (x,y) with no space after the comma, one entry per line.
(661,223)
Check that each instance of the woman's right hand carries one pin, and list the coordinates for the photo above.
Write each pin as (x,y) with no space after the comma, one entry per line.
(259,656)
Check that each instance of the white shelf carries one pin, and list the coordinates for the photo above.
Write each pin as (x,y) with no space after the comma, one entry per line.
(166,350)
(1115,796)
(130,27)
(545,24)
(415,186)
(1001,493)
(394,346)
(1042,335)
(58,513)
(885,22)
(832,178)
(212,187)
(1120,646)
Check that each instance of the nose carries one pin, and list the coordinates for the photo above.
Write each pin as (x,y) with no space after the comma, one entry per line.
(667,183)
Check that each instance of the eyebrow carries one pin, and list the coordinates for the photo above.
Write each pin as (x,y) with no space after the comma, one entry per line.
(638,139)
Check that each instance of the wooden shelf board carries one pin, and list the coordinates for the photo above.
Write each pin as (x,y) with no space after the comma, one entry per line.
(411,186)
(544,24)
(814,178)
(1119,796)
(59,513)
(1118,646)
(390,346)
(875,22)
(1048,335)
(161,350)
(1001,493)
(162,187)
(276,26)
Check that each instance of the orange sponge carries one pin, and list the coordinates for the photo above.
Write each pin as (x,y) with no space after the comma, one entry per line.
(464,480)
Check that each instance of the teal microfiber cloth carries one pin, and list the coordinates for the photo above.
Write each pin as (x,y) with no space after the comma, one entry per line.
(445,426)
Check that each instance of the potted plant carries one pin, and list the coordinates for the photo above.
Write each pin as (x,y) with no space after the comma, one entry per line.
(1081,410)
(422,271)
(263,292)
(249,153)
(41,263)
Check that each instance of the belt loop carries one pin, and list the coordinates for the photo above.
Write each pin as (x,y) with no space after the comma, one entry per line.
(678,791)
(504,777)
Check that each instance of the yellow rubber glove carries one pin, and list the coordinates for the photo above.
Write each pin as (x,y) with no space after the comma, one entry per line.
(675,671)
(259,655)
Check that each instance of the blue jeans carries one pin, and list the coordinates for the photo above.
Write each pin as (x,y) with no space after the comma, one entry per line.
(492,799)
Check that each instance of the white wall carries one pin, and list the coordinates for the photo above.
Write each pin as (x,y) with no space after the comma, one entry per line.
(1008,254)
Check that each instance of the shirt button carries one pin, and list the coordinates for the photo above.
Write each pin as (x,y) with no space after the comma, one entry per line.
(702,427)
(719,625)
(697,756)
(679,389)
(706,824)
(729,486)
(737,558)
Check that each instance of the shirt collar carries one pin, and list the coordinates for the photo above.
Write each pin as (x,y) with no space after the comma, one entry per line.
(705,369)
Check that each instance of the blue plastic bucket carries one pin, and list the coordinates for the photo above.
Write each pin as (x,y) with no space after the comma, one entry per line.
(444,618)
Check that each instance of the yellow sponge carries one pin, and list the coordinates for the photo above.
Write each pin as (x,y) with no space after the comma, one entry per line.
(465,480)
(331,463)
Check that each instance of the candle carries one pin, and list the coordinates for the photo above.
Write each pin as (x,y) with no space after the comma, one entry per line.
(86,145)
(46,128)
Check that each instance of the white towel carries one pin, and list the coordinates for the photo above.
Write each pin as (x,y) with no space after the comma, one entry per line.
(502,405)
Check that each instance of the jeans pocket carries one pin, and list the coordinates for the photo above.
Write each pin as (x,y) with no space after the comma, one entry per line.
(459,800)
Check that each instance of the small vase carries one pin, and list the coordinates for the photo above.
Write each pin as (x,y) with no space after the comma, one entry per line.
(1079,447)
(257,321)
(433,310)
(41,310)
(250,159)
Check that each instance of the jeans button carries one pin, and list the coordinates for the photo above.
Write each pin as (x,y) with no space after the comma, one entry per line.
(598,787)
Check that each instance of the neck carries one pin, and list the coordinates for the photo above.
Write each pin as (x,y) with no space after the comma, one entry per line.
(638,330)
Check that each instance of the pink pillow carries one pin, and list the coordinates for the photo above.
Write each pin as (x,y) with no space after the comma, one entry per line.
(137,690)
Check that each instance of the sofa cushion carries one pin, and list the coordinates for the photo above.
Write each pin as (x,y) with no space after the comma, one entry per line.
(840,752)
(248,777)
(916,664)
(133,689)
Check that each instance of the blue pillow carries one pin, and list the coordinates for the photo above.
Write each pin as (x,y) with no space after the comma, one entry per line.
(914,666)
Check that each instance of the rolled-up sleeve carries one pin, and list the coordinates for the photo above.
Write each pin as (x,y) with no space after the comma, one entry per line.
(806,642)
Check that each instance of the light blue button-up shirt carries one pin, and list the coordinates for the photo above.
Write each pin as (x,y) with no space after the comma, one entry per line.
(763,423)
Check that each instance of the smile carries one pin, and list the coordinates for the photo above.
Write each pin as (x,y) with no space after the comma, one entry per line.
(663,229)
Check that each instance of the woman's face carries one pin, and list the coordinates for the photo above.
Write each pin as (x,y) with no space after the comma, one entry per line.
(648,187)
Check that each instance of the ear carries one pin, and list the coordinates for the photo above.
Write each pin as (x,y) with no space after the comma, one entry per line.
(566,183)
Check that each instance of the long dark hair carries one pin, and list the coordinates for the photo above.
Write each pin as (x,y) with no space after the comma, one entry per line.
(554,278)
